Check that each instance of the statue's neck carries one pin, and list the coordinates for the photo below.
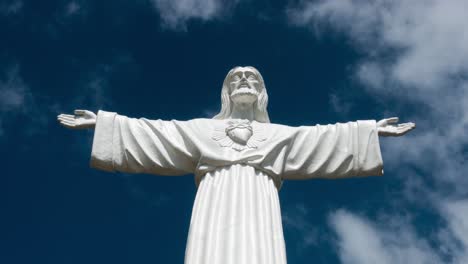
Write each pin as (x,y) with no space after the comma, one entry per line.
(242,111)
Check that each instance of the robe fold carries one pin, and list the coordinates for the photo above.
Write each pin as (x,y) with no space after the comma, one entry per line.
(236,216)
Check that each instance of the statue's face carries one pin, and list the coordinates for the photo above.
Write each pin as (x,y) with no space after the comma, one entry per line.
(244,86)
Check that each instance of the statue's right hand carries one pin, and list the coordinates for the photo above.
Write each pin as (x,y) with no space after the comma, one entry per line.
(82,119)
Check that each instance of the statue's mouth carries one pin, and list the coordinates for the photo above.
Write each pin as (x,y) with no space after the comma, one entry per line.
(244,95)
(244,91)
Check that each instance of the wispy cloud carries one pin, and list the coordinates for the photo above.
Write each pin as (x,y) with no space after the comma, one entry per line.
(93,89)
(73,8)
(11,7)
(150,198)
(15,97)
(13,92)
(391,239)
(414,56)
(18,101)
(361,241)
(296,220)
(209,113)
(339,105)
(175,14)
(455,238)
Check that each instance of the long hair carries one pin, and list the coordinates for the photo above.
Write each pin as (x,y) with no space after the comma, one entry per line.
(260,106)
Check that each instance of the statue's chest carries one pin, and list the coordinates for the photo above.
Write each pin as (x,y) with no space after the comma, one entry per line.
(239,134)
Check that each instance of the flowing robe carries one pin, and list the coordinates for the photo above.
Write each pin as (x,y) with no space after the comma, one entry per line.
(236,217)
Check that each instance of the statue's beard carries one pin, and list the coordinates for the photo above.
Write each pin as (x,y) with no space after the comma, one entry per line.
(244,96)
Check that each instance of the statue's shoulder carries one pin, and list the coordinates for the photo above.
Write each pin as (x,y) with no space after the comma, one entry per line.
(206,121)
(273,126)
(198,123)
(191,121)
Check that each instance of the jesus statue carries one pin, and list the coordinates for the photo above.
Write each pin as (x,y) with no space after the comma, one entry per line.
(239,160)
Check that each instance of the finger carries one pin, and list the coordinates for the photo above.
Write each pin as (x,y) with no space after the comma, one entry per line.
(404,124)
(402,131)
(64,115)
(90,114)
(79,112)
(67,121)
(66,118)
(67,124)
(411,126)
(392,120)
(408,125)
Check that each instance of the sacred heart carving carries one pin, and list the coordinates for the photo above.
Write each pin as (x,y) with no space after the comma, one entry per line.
(240,135)
(239,131)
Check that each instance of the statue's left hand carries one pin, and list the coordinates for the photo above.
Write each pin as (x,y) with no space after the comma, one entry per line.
(82,119)
(388,127)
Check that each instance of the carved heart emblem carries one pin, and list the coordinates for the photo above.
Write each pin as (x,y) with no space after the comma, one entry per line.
(240,131)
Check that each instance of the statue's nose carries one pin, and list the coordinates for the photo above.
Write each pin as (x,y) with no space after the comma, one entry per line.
(244,79)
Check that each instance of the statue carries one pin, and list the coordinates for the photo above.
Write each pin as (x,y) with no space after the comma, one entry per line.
(239,160)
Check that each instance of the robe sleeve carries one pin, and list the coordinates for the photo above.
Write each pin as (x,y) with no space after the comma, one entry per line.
(142,146)
(334,151)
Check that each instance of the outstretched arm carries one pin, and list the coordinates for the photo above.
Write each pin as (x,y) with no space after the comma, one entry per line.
(334,151)
(82,119)
(136,145)
(388,127)
(340,150)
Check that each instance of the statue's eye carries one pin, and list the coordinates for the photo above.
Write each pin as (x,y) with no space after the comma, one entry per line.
(252,77)
(236,78)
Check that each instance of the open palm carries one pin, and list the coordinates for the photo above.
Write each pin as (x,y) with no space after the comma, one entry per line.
(388,127)
(82,119)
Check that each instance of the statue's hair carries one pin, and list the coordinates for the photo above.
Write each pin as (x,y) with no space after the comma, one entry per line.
(260,106)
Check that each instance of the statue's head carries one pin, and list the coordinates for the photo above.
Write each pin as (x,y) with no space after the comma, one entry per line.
(244,86)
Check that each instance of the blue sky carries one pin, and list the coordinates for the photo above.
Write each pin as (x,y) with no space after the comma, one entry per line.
(322,61)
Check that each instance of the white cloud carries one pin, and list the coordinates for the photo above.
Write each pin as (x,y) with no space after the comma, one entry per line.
(428,38)
(391,238)
(177,13)
(361,241)
(415,52)
(414,55)
(456,215)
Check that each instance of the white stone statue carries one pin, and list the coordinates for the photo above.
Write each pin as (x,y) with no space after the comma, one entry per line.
(239,160)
